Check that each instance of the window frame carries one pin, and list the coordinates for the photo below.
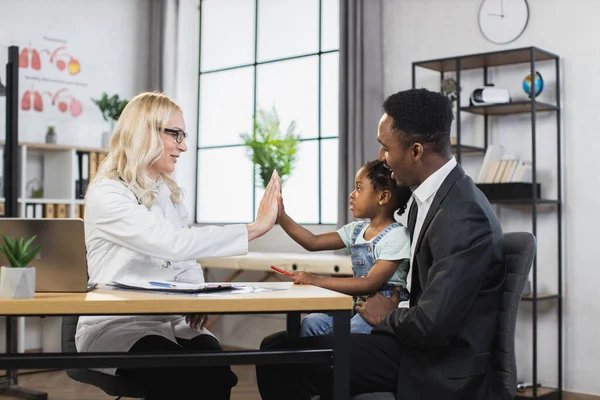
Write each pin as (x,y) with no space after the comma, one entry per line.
(255,66)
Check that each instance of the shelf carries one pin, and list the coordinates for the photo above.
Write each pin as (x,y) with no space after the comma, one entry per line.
(542,392)
(515,107)
(466,149)
(58,147)
(527,197)
(44,201)
(493,59)
(540,297)
(79,201)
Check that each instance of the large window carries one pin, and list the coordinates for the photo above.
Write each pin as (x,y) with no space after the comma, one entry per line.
(256,54)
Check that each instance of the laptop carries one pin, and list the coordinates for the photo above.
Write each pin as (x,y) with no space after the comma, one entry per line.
(61,265)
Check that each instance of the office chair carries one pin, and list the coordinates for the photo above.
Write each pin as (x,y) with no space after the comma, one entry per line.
(112,385)
(519,251)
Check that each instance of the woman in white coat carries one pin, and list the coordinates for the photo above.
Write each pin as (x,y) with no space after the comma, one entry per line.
(136,228)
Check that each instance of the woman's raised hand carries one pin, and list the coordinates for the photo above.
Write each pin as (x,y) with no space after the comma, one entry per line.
(267,209)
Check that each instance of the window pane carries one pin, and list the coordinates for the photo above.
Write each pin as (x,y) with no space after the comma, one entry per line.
(226,26)
(301,189)
(224,185)
(226,106)
(292,86)
(287,28)
(330,20)
(329,181)
(330,94)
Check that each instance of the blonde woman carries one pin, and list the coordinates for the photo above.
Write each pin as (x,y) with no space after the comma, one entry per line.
(136,228)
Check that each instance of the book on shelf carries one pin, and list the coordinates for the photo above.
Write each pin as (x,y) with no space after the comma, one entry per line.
(48,210)
(493,154)
(88,164)
(498,167)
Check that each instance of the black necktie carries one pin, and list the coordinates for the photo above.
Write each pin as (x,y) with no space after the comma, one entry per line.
(412,218)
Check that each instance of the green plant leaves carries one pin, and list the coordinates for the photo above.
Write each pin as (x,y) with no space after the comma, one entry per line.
(270,148)
(111,107)
(17,251)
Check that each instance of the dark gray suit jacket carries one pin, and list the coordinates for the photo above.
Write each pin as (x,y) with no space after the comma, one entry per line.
(457,282)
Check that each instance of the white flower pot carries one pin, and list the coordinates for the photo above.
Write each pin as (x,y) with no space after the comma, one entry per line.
(106,139)
(17,283)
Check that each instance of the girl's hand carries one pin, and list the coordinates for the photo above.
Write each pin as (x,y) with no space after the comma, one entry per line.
(196,321)
(280,206)
(304,278)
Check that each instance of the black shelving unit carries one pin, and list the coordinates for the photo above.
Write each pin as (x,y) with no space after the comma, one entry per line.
(484,61)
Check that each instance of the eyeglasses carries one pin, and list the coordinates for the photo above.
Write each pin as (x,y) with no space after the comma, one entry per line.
(178,134)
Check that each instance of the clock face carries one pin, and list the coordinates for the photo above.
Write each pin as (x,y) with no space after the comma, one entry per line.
(503,21)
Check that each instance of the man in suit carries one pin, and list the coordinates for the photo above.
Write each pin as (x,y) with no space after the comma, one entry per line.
(438,346)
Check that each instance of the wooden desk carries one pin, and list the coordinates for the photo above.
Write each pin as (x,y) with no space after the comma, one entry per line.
(292,300)
(106,301)
(316,263)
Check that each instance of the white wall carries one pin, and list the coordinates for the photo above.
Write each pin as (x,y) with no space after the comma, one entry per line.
(111,40)
(417,30)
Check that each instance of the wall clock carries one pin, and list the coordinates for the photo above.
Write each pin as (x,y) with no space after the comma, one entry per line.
(503,21)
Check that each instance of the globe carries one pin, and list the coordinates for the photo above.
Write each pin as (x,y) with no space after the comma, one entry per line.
(538,84)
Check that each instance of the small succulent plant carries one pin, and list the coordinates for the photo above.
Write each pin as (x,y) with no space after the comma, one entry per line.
(17,251)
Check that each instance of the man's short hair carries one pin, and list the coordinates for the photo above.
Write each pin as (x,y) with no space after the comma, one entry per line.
(419,115)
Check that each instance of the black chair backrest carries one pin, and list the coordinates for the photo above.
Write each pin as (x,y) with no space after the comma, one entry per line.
(69,327)
(519,252)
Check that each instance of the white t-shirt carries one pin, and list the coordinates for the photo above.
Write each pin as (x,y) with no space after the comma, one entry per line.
(394,245)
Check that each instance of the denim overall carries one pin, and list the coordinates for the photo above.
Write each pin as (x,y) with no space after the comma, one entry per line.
(363,259)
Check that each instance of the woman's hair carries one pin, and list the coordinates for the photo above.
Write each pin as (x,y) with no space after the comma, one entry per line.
(136,144)
(381,179)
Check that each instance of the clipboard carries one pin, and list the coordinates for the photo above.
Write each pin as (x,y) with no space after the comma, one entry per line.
(176,287)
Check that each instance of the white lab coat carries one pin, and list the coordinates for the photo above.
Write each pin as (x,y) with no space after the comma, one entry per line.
(125,240)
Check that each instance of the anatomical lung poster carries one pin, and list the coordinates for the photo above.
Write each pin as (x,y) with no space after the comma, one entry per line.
(53,86)
(59,74)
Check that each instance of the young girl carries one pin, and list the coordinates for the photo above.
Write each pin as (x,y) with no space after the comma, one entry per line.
(380,249)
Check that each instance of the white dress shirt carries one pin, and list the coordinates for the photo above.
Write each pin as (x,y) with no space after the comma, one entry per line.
(423,195)
(126,241)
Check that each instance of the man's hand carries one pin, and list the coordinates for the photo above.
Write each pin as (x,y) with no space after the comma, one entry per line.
(376,307)
(196,321)
(304,277)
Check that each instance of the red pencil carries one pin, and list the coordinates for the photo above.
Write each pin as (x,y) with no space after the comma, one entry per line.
(281,271)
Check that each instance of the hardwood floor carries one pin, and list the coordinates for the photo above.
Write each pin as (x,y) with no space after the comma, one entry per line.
(60,387)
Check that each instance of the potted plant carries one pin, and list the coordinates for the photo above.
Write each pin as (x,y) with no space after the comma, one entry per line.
(17,280)
(111,108)
(51,134)
(450,89)
(271,149)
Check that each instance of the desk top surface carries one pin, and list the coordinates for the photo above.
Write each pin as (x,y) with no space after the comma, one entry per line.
(107,301)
